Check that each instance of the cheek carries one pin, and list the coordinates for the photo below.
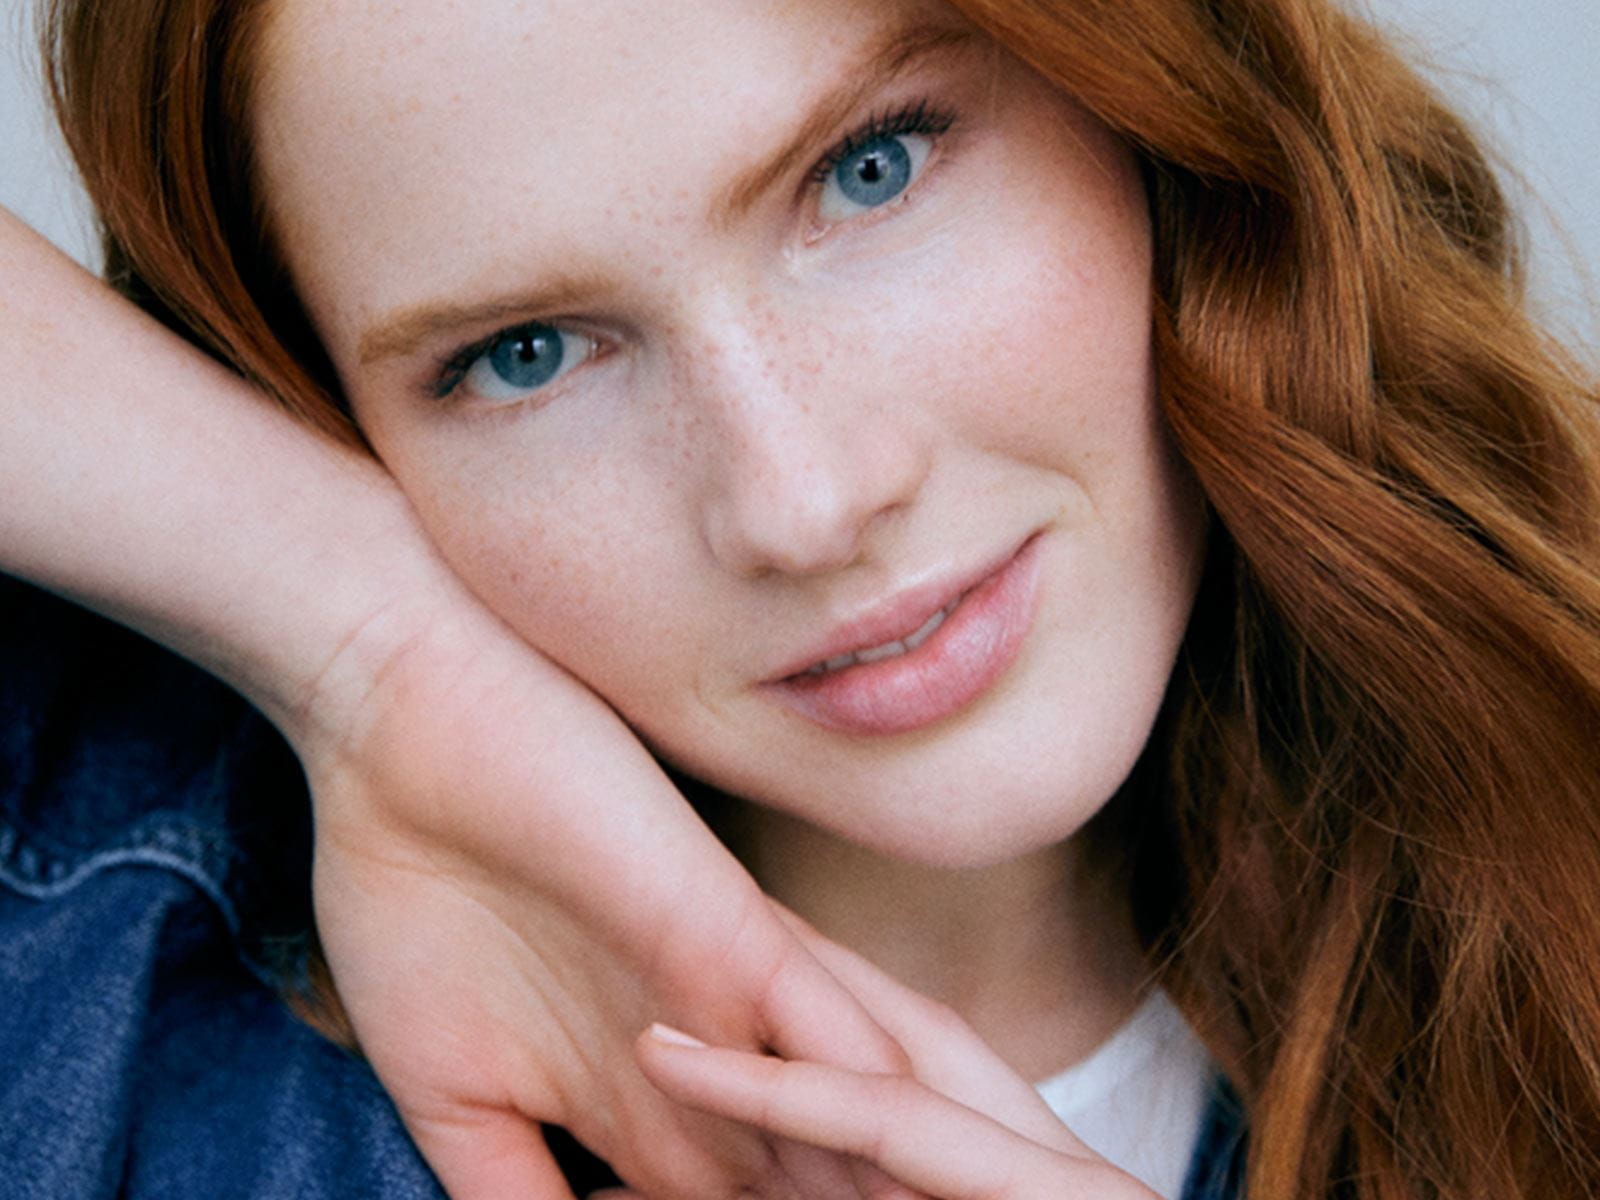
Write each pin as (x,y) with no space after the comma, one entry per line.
(567,549)
(1068,387)
(1038,327)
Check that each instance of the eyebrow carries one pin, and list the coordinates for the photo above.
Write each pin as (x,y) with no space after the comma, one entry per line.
(398,334)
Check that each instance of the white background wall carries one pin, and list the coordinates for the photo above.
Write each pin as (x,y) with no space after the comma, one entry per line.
(1526,71)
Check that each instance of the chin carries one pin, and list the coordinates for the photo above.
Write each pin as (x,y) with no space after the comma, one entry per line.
(955,850)
(982,824)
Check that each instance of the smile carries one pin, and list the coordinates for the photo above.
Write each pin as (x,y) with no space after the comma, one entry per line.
(895,683)
(888,649)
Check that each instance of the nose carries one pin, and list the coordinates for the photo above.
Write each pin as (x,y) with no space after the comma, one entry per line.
(807,460)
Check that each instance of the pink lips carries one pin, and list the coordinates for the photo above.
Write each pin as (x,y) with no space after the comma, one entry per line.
(964,657)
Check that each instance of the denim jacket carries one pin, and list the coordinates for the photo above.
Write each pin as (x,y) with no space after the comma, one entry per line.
(154,883)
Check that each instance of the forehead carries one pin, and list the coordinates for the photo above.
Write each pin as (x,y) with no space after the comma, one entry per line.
(396,135)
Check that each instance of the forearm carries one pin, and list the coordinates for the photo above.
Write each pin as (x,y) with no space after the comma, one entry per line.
(145,480)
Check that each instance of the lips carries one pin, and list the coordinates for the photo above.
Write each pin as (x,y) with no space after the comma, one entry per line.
(886,649)
(921,658)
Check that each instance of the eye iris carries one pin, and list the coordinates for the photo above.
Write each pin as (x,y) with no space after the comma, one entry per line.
(529,358)
(875,173)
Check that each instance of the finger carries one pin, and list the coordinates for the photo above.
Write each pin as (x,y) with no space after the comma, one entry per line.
(920,1138)
(489,1154)
(946,1053)
(714,924)
(806,1012)
(816,1172)
(873,1184)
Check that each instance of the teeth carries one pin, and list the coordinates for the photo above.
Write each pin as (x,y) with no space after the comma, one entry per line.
(928,626)
(888,649)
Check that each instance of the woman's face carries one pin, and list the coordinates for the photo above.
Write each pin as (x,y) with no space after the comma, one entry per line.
(718,342)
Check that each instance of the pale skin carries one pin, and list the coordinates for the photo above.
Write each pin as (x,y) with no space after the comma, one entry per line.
(777,407)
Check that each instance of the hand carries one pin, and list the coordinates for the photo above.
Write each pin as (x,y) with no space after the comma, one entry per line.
(508,888)
(963,1127)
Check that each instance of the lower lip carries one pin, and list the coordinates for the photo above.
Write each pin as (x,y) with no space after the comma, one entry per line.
(963,659)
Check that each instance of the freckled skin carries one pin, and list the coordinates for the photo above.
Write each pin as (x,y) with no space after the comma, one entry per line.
(786,427)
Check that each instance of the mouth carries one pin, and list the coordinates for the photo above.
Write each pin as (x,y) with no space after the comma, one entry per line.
(922,657)
(891,649)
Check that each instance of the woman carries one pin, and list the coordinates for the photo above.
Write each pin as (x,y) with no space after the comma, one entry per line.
(831,451)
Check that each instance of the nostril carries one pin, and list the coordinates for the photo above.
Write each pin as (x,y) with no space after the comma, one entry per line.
(800,480)
(797,527)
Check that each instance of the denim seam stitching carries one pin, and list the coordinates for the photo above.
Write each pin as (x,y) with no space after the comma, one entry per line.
(175,846)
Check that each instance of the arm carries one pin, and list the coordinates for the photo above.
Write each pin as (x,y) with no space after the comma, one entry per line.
(468,794)
(128,460)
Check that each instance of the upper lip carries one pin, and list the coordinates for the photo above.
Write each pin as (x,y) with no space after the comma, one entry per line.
(897,617)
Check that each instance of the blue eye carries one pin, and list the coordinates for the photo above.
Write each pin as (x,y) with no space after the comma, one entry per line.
(872,174)
(877,163)
(876,173)
(520,361)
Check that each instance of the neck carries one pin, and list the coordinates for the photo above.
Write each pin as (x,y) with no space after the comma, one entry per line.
(1036,953)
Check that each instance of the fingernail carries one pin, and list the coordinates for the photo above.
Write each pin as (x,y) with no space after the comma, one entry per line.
(675,1037)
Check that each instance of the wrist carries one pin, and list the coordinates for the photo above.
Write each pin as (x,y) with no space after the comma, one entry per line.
(347,598)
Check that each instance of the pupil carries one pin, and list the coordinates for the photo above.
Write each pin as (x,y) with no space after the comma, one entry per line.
(529,358)
(877,173)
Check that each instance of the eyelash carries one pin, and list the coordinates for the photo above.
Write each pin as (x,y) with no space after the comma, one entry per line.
(921,117)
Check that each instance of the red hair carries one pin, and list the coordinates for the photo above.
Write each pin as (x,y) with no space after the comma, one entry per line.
(1369,861)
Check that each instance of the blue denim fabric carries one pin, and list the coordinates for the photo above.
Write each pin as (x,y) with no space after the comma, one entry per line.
(154,843)
(154,884)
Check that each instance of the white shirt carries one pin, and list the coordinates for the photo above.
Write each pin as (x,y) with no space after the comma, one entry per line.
(1138,1099)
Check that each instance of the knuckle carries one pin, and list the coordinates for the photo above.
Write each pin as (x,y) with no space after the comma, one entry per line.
(898,1095)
